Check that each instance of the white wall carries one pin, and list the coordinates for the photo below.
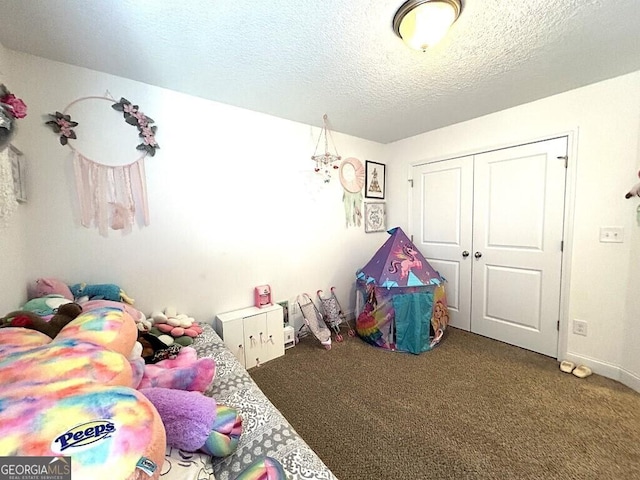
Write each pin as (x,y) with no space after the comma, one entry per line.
(234,203)
(233,200)
(630,351)
(605,126)
(12,242)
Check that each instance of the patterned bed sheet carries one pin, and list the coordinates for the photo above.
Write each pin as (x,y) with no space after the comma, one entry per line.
(265,430)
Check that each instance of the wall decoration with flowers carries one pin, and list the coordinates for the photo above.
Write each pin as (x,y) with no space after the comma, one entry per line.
(109,195)
(12,108)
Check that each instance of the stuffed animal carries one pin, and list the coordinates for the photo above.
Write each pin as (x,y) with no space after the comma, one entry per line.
(195,422)
(180,326)
(157,347)
(74,396)
(49,286)
(140,318)
(21,318)
(107,291)
(183,372)
(263,468)
(45,306)
(635,190)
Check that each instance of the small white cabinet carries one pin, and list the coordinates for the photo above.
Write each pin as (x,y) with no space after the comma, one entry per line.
(254,335)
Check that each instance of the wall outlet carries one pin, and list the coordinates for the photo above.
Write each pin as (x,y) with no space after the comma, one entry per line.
(293,307)
(580,327)
(611,234)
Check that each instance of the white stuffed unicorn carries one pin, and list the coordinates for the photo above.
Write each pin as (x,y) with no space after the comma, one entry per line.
(635,190)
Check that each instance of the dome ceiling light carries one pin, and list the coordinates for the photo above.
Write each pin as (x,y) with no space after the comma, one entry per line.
(423,23)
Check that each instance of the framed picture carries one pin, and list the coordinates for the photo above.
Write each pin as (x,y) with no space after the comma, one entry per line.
(285,312)
(19,174)
(375,217)
(374,180)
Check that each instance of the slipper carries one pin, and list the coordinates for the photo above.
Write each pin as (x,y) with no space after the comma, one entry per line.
(582,371)
(567,366)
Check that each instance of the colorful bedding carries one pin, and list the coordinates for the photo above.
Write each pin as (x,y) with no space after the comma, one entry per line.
(265,430)
(72,396)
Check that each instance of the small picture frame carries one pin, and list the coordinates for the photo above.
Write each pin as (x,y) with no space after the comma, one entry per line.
(285,312)
(374,180)
(375,217)
(19,173)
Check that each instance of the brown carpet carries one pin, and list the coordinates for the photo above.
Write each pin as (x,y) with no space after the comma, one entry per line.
(473,408)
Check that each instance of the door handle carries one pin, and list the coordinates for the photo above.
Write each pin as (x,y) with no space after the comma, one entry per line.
(465,254)
(477,254)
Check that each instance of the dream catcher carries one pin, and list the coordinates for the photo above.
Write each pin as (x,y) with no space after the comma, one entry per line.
(110,195)
(352,180)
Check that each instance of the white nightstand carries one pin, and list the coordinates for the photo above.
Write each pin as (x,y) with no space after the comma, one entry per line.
(254,335)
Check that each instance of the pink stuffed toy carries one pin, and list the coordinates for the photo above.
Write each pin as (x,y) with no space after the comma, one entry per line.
(141,320)
(49,286)
(184,372)
(193,331)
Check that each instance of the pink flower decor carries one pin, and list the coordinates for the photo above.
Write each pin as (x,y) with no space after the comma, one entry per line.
(10,104)
(133,116)
(63,125)
(17,108)
(11,109)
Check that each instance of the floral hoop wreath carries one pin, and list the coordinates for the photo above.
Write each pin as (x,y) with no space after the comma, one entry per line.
(355,184)
(110,196)
(62,124)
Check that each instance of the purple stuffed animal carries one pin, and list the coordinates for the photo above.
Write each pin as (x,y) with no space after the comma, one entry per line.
(195,422)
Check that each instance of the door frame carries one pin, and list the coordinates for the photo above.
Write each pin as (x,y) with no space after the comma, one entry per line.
(569,212)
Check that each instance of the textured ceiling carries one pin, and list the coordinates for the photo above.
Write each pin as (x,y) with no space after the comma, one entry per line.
(301,59)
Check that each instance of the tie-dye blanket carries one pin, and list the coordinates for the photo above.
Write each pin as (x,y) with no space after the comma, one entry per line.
(72,396)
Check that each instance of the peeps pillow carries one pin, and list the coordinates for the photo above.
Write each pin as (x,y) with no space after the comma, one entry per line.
(73,396)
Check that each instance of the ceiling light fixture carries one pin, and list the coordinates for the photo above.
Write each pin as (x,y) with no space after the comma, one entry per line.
(423,23)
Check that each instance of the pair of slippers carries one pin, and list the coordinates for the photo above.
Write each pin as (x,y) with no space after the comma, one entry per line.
(580,371)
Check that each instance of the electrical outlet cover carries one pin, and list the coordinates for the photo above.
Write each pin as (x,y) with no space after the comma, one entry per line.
(580,327)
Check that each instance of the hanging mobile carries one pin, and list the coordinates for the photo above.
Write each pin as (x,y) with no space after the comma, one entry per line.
(325,161)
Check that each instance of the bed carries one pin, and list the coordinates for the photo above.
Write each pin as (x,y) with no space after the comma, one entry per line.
(265,430)
(74,395)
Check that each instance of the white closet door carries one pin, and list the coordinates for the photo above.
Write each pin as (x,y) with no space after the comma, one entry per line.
(517,233)
(442,226)
(506,209)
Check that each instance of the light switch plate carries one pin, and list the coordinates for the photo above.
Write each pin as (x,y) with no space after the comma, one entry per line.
(612,234)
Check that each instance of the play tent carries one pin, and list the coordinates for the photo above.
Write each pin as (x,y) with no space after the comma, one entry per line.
(401,303)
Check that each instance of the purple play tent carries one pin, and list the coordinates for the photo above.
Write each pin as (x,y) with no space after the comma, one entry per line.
(401,302)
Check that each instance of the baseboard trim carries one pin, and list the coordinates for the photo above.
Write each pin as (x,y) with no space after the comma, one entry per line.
(609,370)
(629,379)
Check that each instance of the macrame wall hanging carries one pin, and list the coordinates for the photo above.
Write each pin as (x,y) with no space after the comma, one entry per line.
(109,194)
(8,201)
(352,180)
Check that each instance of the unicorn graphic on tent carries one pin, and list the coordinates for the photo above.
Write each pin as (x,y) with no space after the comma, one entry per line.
(408,261)
(401,299)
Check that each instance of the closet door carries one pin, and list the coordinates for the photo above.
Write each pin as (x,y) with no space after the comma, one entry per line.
(518,217)
(442,201)
(492,225)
